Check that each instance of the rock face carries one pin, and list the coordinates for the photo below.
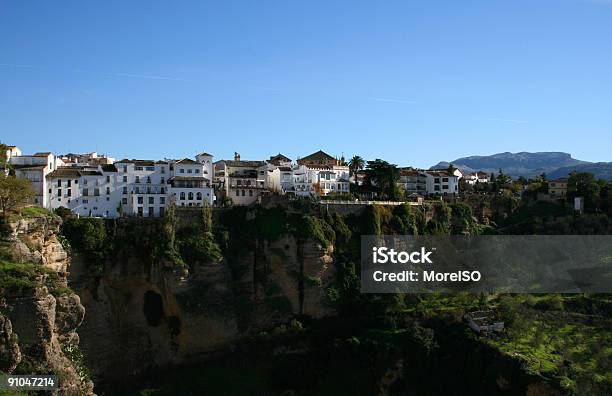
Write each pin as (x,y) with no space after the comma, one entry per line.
(37,327)
(153,314)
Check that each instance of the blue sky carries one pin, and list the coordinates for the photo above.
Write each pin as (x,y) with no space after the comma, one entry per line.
(413,82)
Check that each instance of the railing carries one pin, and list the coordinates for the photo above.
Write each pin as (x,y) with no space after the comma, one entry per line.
(387,203)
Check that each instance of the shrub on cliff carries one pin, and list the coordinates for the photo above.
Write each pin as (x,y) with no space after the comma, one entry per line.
(88,236)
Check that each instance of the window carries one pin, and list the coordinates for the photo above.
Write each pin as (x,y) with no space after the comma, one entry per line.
(59,192)
(190,195)
(138,168)
(137,179)
(250,193)
(197,171)
(137,190)
(69,193)
(86,201)
(161,212)
(76,182)
(150,168)
(243,193)
(97,192)
(183,195)
(140,211)
(151,212)
(125,190)
(199,196)
(59,182)
(151,200)
(124,201)
(162,180)
(85,192)
(445,187)
(162,191)
(239,182)
(69,183)
(107,190)
(125,168)
(189,170)
(237,193)
(125,179)
(437,180)
(445,179)
(163,170)
(108,179)
(162,200)
(140,200)
(182,170)
(85,182)
(50,191)
(149,179)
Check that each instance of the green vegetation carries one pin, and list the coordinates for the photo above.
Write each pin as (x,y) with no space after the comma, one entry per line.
(552,340)
(20,278)
(88,236)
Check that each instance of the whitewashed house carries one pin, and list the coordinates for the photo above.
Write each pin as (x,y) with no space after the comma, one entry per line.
(35,168)
(325,173)
(477,177)
(86,191)
(441,182)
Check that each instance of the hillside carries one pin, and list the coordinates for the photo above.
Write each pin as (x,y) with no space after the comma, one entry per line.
(518,164)
(601,170)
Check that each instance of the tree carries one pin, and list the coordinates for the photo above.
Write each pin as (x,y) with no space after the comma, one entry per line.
(503,179)
(3,156)
(583,184)
(355,165)
(383,176)
(13,192)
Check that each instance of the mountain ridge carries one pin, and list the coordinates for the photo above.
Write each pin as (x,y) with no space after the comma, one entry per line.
(528,164)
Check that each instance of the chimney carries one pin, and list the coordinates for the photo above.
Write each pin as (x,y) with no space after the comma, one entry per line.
(236,156)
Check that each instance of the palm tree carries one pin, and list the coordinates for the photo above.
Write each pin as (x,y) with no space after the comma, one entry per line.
(355,165)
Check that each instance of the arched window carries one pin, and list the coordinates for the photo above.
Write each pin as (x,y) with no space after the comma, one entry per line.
(183,195)
(199,196)
(191,196)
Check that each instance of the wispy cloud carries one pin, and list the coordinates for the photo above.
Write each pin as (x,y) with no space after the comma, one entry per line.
(17,65)
(150,77)
(508,120)
(390,100)
(126,75)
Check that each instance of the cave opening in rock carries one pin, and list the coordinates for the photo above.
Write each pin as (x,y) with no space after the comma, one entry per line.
(153,308)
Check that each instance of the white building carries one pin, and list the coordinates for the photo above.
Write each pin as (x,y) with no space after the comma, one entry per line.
(12,151)
(477,177)
(441,182)
(428,182)
(35,168)
(86,191)
(324,173)
(131,187)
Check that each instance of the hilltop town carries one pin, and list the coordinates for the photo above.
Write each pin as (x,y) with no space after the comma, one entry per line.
(94,185)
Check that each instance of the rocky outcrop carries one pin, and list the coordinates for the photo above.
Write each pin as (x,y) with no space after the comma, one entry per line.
(10,355)
(38,323)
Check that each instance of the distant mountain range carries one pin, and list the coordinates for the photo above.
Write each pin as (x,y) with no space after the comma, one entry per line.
(554,164)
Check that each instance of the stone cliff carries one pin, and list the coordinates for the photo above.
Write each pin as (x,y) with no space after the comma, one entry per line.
(154,312)
(39,314)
